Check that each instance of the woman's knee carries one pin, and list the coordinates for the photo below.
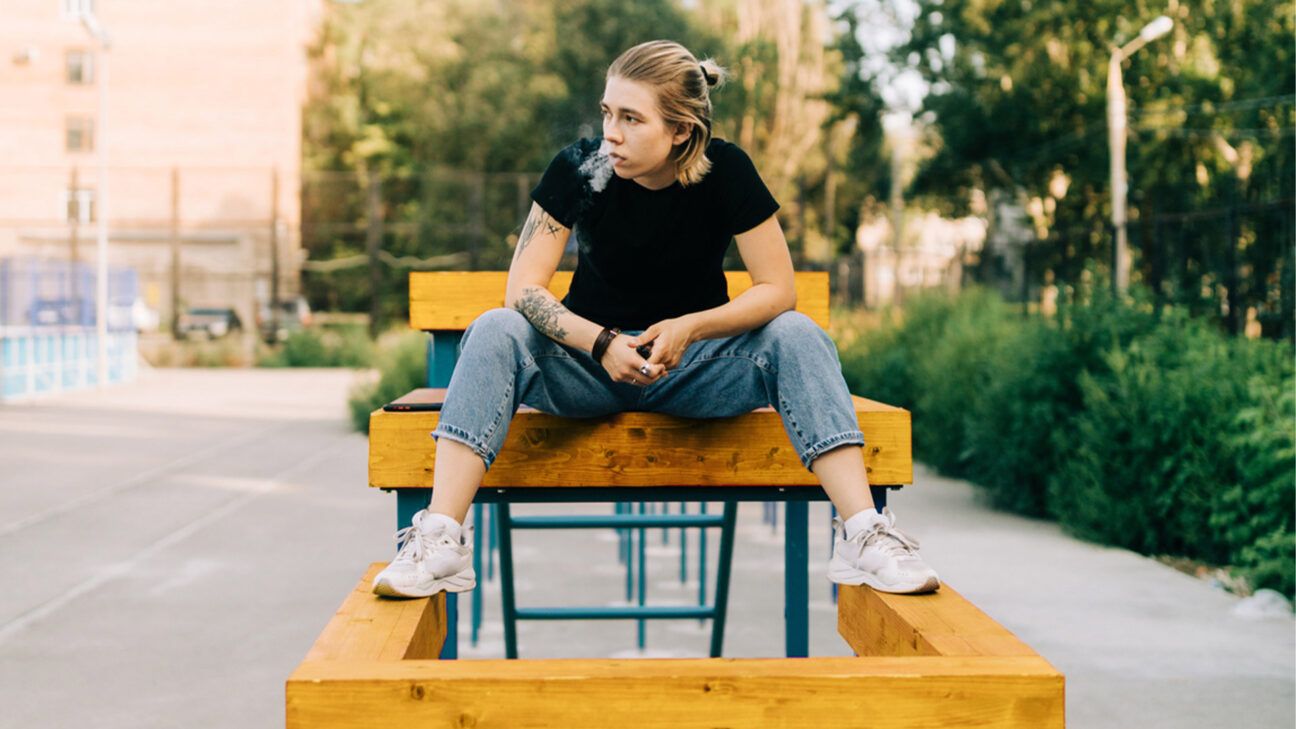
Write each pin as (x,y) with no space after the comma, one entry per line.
(797,328)
(499,322)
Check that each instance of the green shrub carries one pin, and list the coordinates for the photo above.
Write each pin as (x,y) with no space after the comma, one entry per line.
(1014,427)
(876,366)
(957,361)
(1152,450)
(1018,432)
(1130,424)
(347,346)
(1270,563)
(1254,515)
(401,361)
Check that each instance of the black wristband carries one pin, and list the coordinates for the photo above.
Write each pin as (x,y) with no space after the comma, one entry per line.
(601,344)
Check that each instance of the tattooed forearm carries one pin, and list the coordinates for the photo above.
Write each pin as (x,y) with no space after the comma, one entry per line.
(538,221)
(542,310)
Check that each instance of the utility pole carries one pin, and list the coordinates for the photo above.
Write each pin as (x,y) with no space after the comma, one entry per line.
(274,254)
(1116,135)
(373,244)
(74,255)
(92,25)
(175,253)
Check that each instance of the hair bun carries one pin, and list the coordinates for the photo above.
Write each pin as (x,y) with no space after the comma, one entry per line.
(707,76)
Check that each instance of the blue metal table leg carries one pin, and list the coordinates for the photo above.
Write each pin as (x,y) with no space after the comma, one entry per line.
(683,542)
(832,515)
(796,580)
(493,546)
(451,648)
(506,580)
(442,351)
(879,494)
(628,556)
(478,511)
(722,576)
(408,503)
(643,572)
(702,561)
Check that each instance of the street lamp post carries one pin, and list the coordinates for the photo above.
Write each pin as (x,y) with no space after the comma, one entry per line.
(1116,134)
(92,25)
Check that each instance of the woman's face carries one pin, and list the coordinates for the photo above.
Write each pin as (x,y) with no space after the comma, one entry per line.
(635,135)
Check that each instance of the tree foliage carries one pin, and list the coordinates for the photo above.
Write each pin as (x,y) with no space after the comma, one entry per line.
(1018,104)
(455,107)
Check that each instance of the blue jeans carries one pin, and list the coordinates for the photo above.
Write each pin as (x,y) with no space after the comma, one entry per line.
(790,362)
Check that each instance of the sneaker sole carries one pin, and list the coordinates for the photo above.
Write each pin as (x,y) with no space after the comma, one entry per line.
(930,584)
(455,583)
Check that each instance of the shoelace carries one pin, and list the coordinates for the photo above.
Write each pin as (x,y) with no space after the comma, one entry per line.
(410,543)
(413,544)
(890,540)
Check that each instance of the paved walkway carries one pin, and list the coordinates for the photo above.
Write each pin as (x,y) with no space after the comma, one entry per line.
(179,541)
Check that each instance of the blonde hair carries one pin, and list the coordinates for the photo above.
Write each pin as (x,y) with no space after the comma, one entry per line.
(683,85)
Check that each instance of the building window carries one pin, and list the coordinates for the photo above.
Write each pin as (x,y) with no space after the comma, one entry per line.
(74,9)
(80,67)
(80,134)
(79,204)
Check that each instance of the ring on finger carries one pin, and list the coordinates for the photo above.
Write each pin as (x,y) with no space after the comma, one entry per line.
(645,369)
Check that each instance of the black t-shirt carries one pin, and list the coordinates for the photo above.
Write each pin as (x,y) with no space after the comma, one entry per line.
(647,255)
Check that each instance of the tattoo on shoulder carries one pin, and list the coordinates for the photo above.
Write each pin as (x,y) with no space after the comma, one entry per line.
(535,223)
(542,311)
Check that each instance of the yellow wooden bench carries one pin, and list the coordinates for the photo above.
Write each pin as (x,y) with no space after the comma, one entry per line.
(923,661)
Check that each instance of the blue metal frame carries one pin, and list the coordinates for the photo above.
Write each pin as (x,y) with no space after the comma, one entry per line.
(442,353)
(627,520)
(796,566)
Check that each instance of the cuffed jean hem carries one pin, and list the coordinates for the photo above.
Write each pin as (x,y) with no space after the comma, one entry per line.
(818,449)
(459,435)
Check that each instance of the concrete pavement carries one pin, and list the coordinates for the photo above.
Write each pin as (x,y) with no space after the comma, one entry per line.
(172,547)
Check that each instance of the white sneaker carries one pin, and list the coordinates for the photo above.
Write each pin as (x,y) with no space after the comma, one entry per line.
(429,561)
(881,557)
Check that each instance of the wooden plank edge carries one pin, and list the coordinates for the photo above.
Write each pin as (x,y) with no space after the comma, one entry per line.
(418,630)
(901,693)
(896,471)
(938,624)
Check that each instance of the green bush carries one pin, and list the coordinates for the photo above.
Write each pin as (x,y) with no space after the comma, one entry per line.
(1270,563)
(1019,432)
(1130,424)
(1254,515)
(1014,427)
(876,366)
(347,346)
(1148,450)
(401,361)
(952,371)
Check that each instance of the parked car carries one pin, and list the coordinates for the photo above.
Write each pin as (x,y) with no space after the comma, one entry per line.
(212,322)
(294,314)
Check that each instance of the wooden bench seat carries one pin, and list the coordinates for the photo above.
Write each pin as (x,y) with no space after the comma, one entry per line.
(635,449)
(923,661)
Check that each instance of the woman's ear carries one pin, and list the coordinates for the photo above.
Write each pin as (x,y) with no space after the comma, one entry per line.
(682,132)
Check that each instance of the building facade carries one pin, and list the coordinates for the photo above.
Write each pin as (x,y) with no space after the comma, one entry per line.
(202,132)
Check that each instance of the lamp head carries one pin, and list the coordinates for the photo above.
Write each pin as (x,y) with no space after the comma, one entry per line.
(1156,28)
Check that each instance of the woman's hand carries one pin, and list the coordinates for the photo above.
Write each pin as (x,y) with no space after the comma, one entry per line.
(669,338)
(623,363)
